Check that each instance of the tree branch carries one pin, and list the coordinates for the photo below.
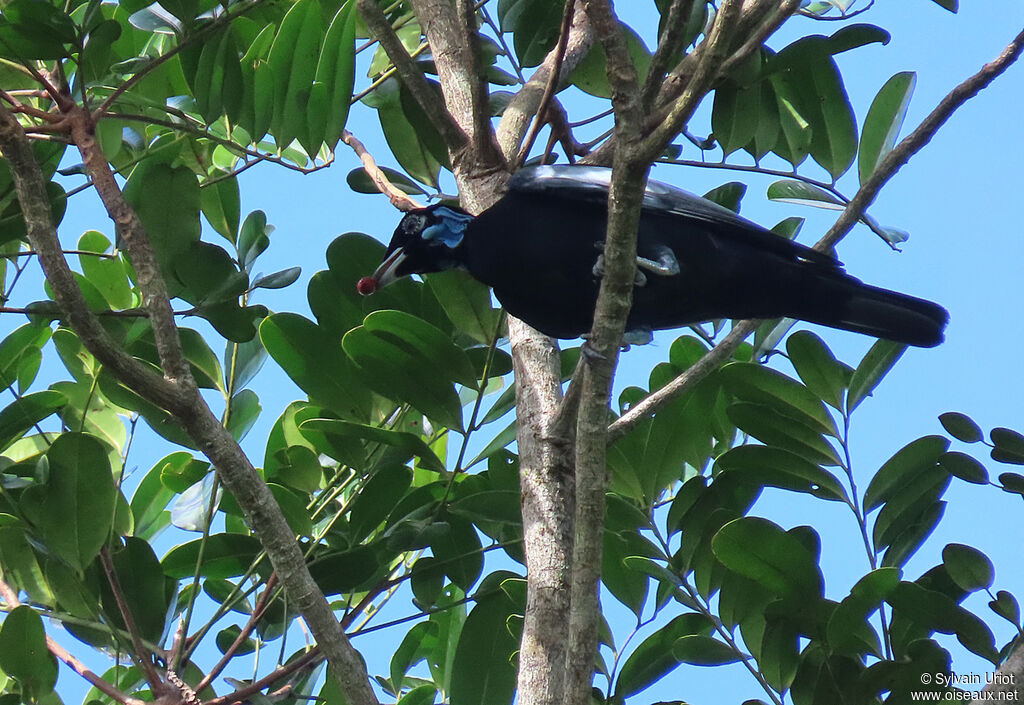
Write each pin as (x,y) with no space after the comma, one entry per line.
(707,71)
(668,47)
(133,235)
(629,178)
(549,88)
(518,113)
(885,170)
(140,655)
(11,598)
(912,143)
(399,198)
(182,400)
(411,75)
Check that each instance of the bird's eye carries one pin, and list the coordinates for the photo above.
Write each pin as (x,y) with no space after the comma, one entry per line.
(414,223)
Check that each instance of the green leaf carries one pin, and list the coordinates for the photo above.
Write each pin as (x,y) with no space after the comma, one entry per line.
(31,336)
(802,193)
(912,537)
(1005,605)
(35,30)
(406,134)
(458,552)
(590,74)
(407,359)
(22,414)
(775,429)
(360,182)
(759,384)
(221,203)
(968,567)
(108,274)
(466,302)
(21,565)
(775,467)
(806,75)
(409,444)
(376,498)
(418,642)
(915,459)
(179,471)
(884,121)
(629,586)
(335,70)
(951,5)
(935,611)
(149,503)
(795,133)
(74,510)
(1012,482)
(534,25)
(735,115)
(701,650)
(217,84)
(24,656)
(1009,446)
(145,590)
(728,195)
(245,409)
(253,238)
(293,62)
(881,358)
(421,695)
(167,202)
(654,658)
(316,364)
(965,467)
(854,36)
(911,511)
(224,556)
(818,368)
(961,427)
(760,550)
(278,280)
(483,670)
(227,636)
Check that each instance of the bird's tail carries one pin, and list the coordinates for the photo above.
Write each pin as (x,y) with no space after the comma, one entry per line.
(847,303)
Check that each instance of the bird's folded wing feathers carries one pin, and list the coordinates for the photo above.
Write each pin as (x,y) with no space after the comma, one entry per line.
(591,184)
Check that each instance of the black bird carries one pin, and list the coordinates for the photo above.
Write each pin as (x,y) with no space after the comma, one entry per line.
(539,247)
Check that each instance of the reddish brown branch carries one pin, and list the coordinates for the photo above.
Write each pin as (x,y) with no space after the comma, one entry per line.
(549,89)
(140,654)
(399,199)
(11,598)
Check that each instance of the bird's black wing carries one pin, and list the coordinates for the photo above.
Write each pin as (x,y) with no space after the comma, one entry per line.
(590,184)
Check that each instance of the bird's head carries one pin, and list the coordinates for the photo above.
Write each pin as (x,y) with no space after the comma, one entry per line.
(426,240)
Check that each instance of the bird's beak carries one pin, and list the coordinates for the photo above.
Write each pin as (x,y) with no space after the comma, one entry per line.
(385,273)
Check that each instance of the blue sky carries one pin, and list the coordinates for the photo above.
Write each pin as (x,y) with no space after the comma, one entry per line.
(958,198)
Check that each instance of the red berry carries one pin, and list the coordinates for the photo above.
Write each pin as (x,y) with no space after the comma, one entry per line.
(366,286)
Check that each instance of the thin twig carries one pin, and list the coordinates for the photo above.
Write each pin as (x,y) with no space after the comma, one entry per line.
(148,68)
(261,606)
(399,199)
(552,84)
(885,170)
(411,74)
(140,655)
(11,598)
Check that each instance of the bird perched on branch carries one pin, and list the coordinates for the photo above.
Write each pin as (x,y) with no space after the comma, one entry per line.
(539,247)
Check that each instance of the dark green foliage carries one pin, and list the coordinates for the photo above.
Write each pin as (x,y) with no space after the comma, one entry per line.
(390,470)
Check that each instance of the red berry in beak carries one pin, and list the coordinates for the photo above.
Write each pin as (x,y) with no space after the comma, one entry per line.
(366,286)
